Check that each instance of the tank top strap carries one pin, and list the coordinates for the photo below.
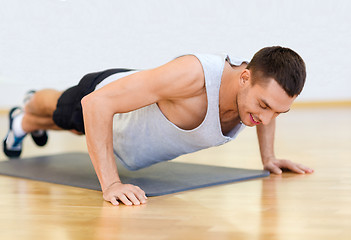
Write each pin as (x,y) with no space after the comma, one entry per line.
(213,66)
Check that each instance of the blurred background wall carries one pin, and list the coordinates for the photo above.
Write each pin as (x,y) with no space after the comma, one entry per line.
(53,43)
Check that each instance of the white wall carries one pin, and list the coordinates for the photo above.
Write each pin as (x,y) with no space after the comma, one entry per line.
(53,43)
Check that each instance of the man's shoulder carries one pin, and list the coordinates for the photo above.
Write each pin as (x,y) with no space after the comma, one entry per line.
(187,69)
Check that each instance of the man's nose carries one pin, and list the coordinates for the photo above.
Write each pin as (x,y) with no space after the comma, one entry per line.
(267,117)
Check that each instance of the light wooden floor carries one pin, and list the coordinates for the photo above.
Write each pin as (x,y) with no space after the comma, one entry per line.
(291,206)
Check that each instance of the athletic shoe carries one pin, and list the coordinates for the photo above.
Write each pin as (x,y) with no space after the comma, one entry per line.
(12,145)
(40,137)
(28,96)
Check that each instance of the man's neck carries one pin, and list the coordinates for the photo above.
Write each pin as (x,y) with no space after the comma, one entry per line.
(229,90)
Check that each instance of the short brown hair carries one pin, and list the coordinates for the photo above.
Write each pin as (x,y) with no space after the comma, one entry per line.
(283,65)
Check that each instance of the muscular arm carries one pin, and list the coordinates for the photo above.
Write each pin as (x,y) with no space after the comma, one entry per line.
(179,78)
(265,134)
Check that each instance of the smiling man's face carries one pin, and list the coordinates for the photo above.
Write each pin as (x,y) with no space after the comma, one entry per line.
(261,103)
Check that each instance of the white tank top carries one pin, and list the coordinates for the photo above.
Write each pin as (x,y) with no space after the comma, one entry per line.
(145,136)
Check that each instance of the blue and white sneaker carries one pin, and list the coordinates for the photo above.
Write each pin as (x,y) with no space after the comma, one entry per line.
(12,145)
(40,137)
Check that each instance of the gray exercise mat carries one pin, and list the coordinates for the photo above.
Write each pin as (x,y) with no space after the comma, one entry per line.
(75,169)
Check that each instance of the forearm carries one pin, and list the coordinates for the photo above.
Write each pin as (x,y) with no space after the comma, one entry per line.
(98,129)
(265,134)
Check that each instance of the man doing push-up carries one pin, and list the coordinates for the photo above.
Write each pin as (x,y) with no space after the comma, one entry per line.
(144,117)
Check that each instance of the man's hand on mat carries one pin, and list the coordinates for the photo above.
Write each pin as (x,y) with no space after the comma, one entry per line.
(126,193)
(277,165)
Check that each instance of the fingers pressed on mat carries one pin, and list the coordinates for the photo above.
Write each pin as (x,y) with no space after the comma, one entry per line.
(140,194)
(142,198)
(124,200)
(133,198)
(114,201)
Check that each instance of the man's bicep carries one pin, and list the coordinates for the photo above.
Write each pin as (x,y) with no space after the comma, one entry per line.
(181,77)
(126,94)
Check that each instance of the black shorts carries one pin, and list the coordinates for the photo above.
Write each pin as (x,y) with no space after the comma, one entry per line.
(68,114)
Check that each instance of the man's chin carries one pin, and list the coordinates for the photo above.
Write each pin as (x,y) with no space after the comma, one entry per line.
(246,122)
(243,122)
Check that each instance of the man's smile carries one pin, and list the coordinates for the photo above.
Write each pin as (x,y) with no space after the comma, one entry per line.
(253,120)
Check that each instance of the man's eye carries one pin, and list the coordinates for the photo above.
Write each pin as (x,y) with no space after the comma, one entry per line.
(263,107)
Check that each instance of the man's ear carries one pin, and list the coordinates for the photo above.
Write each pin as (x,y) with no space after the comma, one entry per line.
(245,77)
